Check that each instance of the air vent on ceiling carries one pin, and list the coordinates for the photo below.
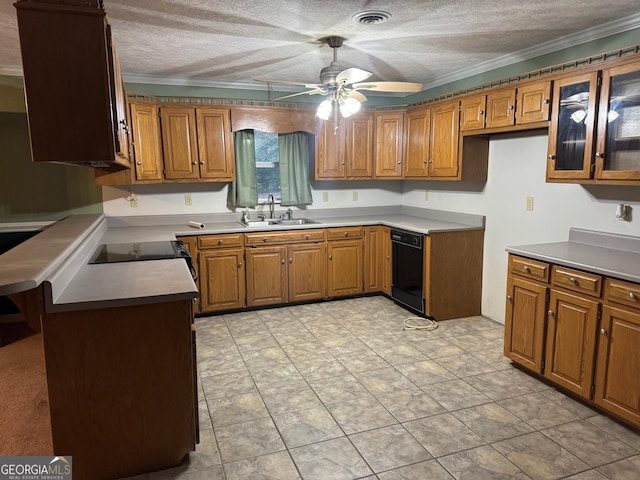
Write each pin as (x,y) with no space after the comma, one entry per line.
(371,17)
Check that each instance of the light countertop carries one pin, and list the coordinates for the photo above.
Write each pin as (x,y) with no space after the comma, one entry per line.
(58,256)
(597,252)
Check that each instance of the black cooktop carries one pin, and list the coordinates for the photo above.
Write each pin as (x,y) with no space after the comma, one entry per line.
(132,252)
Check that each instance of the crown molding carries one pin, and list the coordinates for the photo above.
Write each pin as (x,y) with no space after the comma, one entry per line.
(606,29)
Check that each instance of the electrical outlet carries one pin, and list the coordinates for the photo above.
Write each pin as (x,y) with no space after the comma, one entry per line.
(529,204)
(426,196)
(187,200)
(325,196)
(355,196)
(133,200)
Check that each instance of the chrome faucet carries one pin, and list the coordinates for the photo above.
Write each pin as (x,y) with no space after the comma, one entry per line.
(271,201)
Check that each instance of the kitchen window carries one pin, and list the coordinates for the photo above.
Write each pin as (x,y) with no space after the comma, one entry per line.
(271,164)
(267,166)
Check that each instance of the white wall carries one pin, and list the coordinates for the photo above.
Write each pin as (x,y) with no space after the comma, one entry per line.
(212,197)
(517,170)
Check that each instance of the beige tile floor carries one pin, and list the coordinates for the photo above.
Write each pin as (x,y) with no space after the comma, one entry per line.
(338,390)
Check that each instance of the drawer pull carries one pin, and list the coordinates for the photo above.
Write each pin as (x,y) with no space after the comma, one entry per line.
(526,269)
(346,234)
(632,295)
(219,242)
(603,331)
(573,280)
(306,237)
(265,239)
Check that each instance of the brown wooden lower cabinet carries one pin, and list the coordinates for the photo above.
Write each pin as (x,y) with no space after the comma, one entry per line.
(377,259)
(223,279)
(560,324)
(285,273)
(345,275)
(122,387)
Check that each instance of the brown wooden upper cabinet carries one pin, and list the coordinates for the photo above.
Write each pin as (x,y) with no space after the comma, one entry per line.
(145,142)
(345,150)
(389,144)
(571,131)
(596,145)
(197,144)
(506,107)
(432,141)
(76,115)
(618,141)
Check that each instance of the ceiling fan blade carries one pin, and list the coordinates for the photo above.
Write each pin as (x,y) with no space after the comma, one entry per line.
(287,82)
(352,75)
(389,86)
(357,95)
(306,92)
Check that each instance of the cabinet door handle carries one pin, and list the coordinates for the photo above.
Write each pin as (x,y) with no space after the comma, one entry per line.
(194,163)
(330,257)
(550,313)
(138,163)
(526,269)
(240,265)
(388,257)
(603,331)
(551,156)
(509,297)
(399,162)
(545,101)
(599,155)
(291,260)
(282,261)
(511,107)
(425,161)
(201,162)
(481,112)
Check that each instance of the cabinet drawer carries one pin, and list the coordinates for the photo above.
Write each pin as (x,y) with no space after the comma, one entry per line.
(529,268)
(220,241)
(623,292)
(346,232)
(270,238)
(576,280)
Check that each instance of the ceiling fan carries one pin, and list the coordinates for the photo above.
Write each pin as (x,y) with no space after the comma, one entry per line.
(342,86)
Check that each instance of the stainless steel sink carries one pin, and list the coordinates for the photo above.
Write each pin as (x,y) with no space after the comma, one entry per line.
(277,221)
(297,221)
(260,223)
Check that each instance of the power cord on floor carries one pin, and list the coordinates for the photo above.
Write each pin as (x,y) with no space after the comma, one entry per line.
(430,323)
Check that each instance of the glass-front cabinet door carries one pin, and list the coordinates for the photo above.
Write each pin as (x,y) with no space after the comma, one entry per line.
(618,145)
(571,131)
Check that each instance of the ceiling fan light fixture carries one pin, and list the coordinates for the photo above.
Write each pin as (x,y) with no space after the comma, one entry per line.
(349,106)
(324,110)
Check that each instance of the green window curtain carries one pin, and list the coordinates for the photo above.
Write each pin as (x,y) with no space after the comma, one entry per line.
(244,191)
(294,169)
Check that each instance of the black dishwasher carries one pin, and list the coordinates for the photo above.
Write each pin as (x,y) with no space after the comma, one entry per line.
(408,269)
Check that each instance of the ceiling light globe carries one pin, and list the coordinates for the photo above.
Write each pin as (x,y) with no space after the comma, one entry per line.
(324,110)
(349,106)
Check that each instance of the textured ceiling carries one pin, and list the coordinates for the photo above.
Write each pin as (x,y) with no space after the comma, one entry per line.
(235,42)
